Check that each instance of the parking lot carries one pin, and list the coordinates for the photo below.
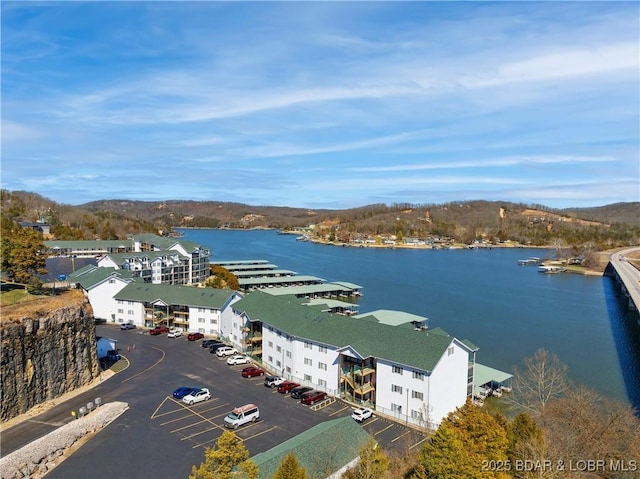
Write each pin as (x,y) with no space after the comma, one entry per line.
(158,427)
(201,424)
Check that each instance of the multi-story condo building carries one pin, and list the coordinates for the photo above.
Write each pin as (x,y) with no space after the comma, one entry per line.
(152,258)
(187,308)
(411,373)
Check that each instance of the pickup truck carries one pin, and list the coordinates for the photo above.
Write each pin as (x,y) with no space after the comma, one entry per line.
(158,330)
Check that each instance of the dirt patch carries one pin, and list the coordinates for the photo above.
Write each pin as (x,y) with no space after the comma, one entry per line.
(35,306)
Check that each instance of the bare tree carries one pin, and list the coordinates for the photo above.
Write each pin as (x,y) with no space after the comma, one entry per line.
(543,379)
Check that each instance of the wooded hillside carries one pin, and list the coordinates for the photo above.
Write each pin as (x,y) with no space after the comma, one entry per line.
(596,228)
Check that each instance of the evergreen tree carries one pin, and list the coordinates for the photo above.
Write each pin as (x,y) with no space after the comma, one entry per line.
(466,445)
(221,459)
(23,256)
(289,468)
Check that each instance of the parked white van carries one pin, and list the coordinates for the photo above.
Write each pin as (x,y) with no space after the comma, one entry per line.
(242,415)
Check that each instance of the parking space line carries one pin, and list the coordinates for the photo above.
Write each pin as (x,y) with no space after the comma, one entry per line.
(383,430)
(202,432)
(401,435)
(339,411)
(260,433)
(418,443)
(196,423)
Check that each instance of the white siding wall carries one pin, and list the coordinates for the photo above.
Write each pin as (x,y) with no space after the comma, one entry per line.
(302,361)
(101,298)
(205,320)
(449,381)
(130,311)
(441,392)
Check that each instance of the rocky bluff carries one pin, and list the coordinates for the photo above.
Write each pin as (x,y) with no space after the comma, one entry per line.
(46,352)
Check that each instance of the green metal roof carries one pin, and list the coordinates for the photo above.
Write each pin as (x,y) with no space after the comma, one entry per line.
(484,374)
(278,279)
(308,289)
(332,443)
(405,346)
(91,278)
(393,318)
(176,295)
(259,272)
(89,244)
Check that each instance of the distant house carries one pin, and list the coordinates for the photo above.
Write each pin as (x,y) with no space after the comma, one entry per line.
(39,226)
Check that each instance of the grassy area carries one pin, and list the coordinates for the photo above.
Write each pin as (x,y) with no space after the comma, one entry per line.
(18,303)
(13,293)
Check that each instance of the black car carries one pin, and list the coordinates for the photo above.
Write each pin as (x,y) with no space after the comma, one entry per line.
(299,391)
(214,347)
(208,342)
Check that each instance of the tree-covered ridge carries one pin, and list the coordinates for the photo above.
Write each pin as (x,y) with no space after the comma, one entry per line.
(536,225)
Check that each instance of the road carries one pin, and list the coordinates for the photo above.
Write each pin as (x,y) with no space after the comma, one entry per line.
(628,273)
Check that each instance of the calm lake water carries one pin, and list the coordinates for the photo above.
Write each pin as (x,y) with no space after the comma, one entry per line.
(508,310)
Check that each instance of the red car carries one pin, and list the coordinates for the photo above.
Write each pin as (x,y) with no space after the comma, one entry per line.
(251,371)
(158,330)
(287,386)
(313,397)
(195,336)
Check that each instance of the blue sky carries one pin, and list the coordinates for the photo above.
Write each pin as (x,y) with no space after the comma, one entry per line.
(322,105)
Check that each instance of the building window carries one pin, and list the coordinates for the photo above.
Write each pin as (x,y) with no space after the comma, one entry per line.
(322,383)
(278,348)
(450,351)
(213,321)
(120,311)
(271,344)
(307,378)
(288,369)
(270,359)
(288,354)
(308,362)
(308,345)
(419,376)
(417,415)
(130,311)
(397,408)
(396,370)
(278,363)
(201,320)
(396,389)
(322,366)
(322,349)
(417,395)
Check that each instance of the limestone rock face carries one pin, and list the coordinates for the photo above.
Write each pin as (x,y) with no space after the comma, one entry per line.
(46,356)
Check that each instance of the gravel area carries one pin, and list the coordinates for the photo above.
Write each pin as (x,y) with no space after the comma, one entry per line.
(42,455)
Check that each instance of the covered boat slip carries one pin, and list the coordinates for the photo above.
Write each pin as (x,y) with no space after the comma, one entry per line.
(249,284)
(312,291)
(490,382)
(267,273)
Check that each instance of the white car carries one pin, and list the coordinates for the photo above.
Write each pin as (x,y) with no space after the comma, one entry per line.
(197,396)
(273,381)
(226,351)
(127,326)
(238,359)
(174,333)
(362,413)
